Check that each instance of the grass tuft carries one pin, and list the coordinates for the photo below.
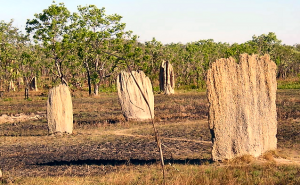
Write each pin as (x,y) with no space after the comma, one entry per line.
(244,159)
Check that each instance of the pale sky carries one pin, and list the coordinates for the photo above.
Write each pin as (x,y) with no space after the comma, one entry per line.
(184,20)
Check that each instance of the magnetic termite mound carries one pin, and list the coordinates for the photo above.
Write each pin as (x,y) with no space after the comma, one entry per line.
(134,106)
(242,111)
(60,110)
(166,78)
(33,84)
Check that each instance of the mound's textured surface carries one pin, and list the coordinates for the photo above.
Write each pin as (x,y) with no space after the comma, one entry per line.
(11,86)
(60,110)
(242,112)
(133,104)
(166,78)
(33,84)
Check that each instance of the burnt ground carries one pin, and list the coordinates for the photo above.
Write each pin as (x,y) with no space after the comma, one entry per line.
(84,153)
(103,141)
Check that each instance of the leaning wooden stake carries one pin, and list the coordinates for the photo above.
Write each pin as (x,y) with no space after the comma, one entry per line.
(156,134)
(157,139)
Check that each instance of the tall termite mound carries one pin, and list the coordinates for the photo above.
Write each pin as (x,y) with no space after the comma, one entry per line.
(33,84)
(242,111)
(166,78)
(60,110)
(134,106)
(11,86)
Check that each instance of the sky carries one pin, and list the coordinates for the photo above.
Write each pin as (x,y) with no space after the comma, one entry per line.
(231,21)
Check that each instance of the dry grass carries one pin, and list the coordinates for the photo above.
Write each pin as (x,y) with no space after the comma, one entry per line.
(244,159)
(105,149)
(271,155)
(180,175)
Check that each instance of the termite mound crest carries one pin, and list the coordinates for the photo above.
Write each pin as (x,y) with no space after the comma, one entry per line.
(242,111)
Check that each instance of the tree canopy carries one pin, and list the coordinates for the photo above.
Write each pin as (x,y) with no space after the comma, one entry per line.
(87,48)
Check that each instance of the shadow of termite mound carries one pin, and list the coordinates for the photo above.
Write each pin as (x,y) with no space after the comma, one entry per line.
(27,128)
(126,162)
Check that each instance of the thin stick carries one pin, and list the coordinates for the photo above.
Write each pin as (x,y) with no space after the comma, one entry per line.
(157,138)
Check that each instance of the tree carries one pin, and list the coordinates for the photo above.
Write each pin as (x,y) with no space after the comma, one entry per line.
(52,29)
(153,56)
(11,45)
(266,43)
(31,64)
(95,33)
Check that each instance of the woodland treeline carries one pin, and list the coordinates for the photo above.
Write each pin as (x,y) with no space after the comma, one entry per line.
(87,49)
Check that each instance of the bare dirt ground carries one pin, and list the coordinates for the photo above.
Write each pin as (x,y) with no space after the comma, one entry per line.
(21,117)
(103,141)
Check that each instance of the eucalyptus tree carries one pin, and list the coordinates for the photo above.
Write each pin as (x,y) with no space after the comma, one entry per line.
(174,53)
(194,58)
(8,41)
(52,29)
(32,62)
(297,47)
(11,45)
(235,50)
(287,59)
(266,43)
(130,53)
(95,34)
(154,54)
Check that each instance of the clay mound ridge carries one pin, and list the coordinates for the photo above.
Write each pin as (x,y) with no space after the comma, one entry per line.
(242,111)
(60,110)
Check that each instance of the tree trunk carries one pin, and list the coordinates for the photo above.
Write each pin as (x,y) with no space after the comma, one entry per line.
(96,85)
(89,77)
(198,79)
(26,92)
(96,89)
(89,83)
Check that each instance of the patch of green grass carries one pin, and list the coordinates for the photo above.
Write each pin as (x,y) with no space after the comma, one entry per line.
(7,99)
(111,89)
(156,89)
(288,84)
(188,88)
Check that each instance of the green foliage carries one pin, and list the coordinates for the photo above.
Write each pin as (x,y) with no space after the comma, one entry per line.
(95,36)
(29,99)
(7,99)
(266,43)
(288,85)
(156,89)
(12,46)
(90,47)
(110,89)
(53,30)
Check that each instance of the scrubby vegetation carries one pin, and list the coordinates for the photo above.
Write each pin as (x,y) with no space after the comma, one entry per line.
(106,149)
(87,48)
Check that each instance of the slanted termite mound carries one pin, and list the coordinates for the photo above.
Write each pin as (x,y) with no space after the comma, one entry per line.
(134,106)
